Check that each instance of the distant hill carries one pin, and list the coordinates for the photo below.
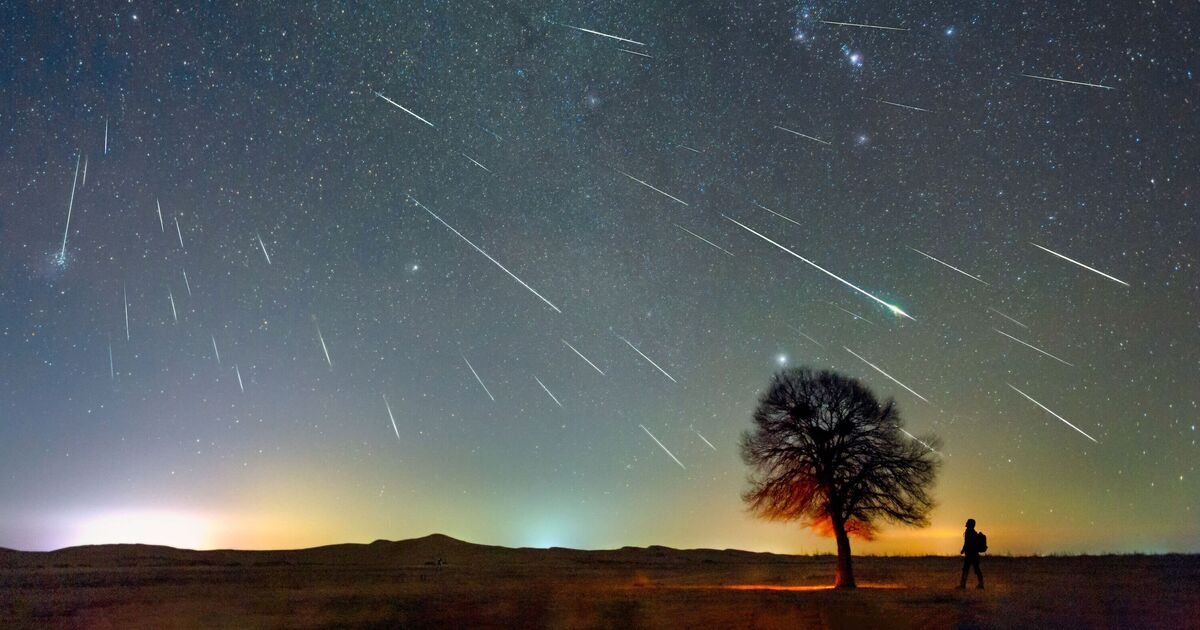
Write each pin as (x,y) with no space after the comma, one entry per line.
(434,549)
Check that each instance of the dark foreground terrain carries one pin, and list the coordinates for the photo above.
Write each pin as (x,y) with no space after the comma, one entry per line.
(441,582)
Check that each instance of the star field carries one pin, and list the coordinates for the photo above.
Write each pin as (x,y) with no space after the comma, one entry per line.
(470,269)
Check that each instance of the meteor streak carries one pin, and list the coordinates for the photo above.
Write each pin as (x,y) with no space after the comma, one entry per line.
(264,247)
(125,297)
(186,283)
(703,239)
(485,389)
(106,136)
(547,390)
(85,163)
(803,135)
(1071,260)
(885,28)
(488,256)
(931,449)
(664,448)
(919,109)
(944,263)
(324,348)
(1095,85)
(801,333)
(589,361)
(677,199)
(890,377)
(238,371)
(894,309)
(473,161)
(634,52)
(215,351)
(588,30)
(179,232)
(171,297)
(406,110)
(1047,410)
(112,373)
(62,254)
(390,416)
(1032,346)
(635,349)
(161,225)
(683,146)
(1007,317)
(710,445)
(788,219)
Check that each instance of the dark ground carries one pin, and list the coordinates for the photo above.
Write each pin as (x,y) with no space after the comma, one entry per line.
(402,584)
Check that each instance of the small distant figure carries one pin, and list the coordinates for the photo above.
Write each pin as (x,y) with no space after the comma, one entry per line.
(974,543)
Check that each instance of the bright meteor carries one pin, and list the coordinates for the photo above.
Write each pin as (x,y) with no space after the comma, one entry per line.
(486,255)
(1072,260)
(664,448)
(894,309)
(1047,410)
(890,377)
(405,109)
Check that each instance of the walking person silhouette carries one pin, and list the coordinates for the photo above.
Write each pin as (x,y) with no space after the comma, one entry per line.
(974,543)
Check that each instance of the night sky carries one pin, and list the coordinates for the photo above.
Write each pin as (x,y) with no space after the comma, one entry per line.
(1006,193)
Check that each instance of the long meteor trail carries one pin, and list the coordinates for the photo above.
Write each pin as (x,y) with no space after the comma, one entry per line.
(588,30)
(475,162)
(890,377)
(238,371)
(264,247)
(710,444)
(215,351)
(485,389)
(405,109)
(885,28)
(931,449)
(902,105)
(125,297)
(1047,410)
(589,361)
(1007,317)
(946,264)
(661,192)
(656,366)
(547,390)
(1095,85)
(1031,346)
(894,309)
(179,233)
(488,256)
(161,226)
(664,448)
(1072,260)
(62,254)
(390,416)
(704,239)
(171,297)
(324,348)
(808,137)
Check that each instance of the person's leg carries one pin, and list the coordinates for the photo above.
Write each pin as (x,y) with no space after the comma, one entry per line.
(966,567)
(978,573)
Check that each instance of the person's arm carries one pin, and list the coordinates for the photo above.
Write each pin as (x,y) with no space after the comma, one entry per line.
(966,542)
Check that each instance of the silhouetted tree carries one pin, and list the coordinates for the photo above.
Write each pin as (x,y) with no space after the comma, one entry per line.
(825,451)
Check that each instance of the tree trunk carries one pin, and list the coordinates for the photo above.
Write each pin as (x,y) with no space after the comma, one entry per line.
(845,573)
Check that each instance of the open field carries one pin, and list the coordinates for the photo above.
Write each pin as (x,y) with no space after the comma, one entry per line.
(441,582)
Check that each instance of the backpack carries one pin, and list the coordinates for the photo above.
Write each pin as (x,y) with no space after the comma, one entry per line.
(980,542)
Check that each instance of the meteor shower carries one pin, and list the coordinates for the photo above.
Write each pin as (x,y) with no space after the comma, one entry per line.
(620,314)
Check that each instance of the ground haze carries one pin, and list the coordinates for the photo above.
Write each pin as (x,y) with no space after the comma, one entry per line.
(438,581)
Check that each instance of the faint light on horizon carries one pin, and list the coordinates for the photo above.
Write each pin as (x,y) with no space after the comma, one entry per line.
(148,527)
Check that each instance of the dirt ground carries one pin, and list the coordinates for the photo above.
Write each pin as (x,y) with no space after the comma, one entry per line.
(457,585)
